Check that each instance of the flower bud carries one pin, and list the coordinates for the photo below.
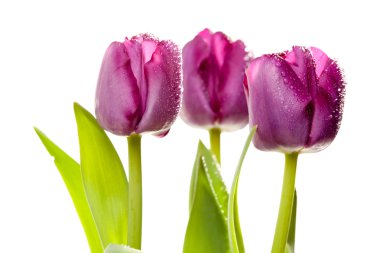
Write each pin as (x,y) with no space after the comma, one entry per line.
(213,75)
(296,100)
(139,86)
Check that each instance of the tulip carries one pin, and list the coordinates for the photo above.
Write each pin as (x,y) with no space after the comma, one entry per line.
(139,86)
(139,91)
(296,100)
(213,93)
(213,75)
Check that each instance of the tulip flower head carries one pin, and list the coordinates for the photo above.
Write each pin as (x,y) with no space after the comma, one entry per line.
(213,75)
(296,100)
(139,86)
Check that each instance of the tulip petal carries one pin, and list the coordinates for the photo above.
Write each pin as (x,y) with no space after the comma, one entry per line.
(233,112)
(278,104)
(206,35)
(210,69)
(324,125)
(302,62)
(321,60)
(117,96)
(220,46)
(328,107)
(332,80)
(196,109)
(140,50)
(162,74)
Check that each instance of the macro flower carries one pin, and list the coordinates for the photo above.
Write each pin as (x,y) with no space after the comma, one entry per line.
(213,75)
(139,88)
(296,100)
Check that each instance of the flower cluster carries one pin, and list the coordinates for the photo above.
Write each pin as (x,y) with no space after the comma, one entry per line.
(295,97)
(293,102)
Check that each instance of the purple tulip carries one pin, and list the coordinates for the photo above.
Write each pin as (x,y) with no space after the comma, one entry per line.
(296,100)
(139,86)
(213,75)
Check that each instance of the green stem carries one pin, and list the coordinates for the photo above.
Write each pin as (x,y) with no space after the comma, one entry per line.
(135,192)
(286,205)
(215,142)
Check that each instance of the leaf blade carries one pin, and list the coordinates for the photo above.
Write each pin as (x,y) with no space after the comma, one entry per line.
(104,179)
(72,177)
(117,248)
(234,229)
(207,227)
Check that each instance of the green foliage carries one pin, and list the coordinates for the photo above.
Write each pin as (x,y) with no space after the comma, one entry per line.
(71,175)
(116,248)
(207,228)
(104,179)
(234,230)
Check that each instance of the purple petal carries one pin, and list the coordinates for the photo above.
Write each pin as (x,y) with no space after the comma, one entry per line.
(210,70)
(321,60)
(302,62)
(163,77)
(196,109)
(328,105)
(233,110)
(278,104)
(117,97)
(140,50)
(148,48)
(332,81)
(324,125)
(219,46)
(206,35)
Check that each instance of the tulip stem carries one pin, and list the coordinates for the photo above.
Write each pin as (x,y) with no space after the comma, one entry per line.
(286,205)
(135,192)
(215,142)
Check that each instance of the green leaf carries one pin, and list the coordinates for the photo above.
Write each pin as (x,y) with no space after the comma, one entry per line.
(116,248)
(292,229)
(104,179)
(234,230)
(207,228)
(71,175)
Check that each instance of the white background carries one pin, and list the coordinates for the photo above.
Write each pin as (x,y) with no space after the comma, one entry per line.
(50,55)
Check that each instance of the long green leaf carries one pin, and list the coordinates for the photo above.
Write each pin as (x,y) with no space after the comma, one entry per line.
(116,248)
(234,230)
(207,228)
(206,160)
(292,229)
(71,175)
(104,179)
